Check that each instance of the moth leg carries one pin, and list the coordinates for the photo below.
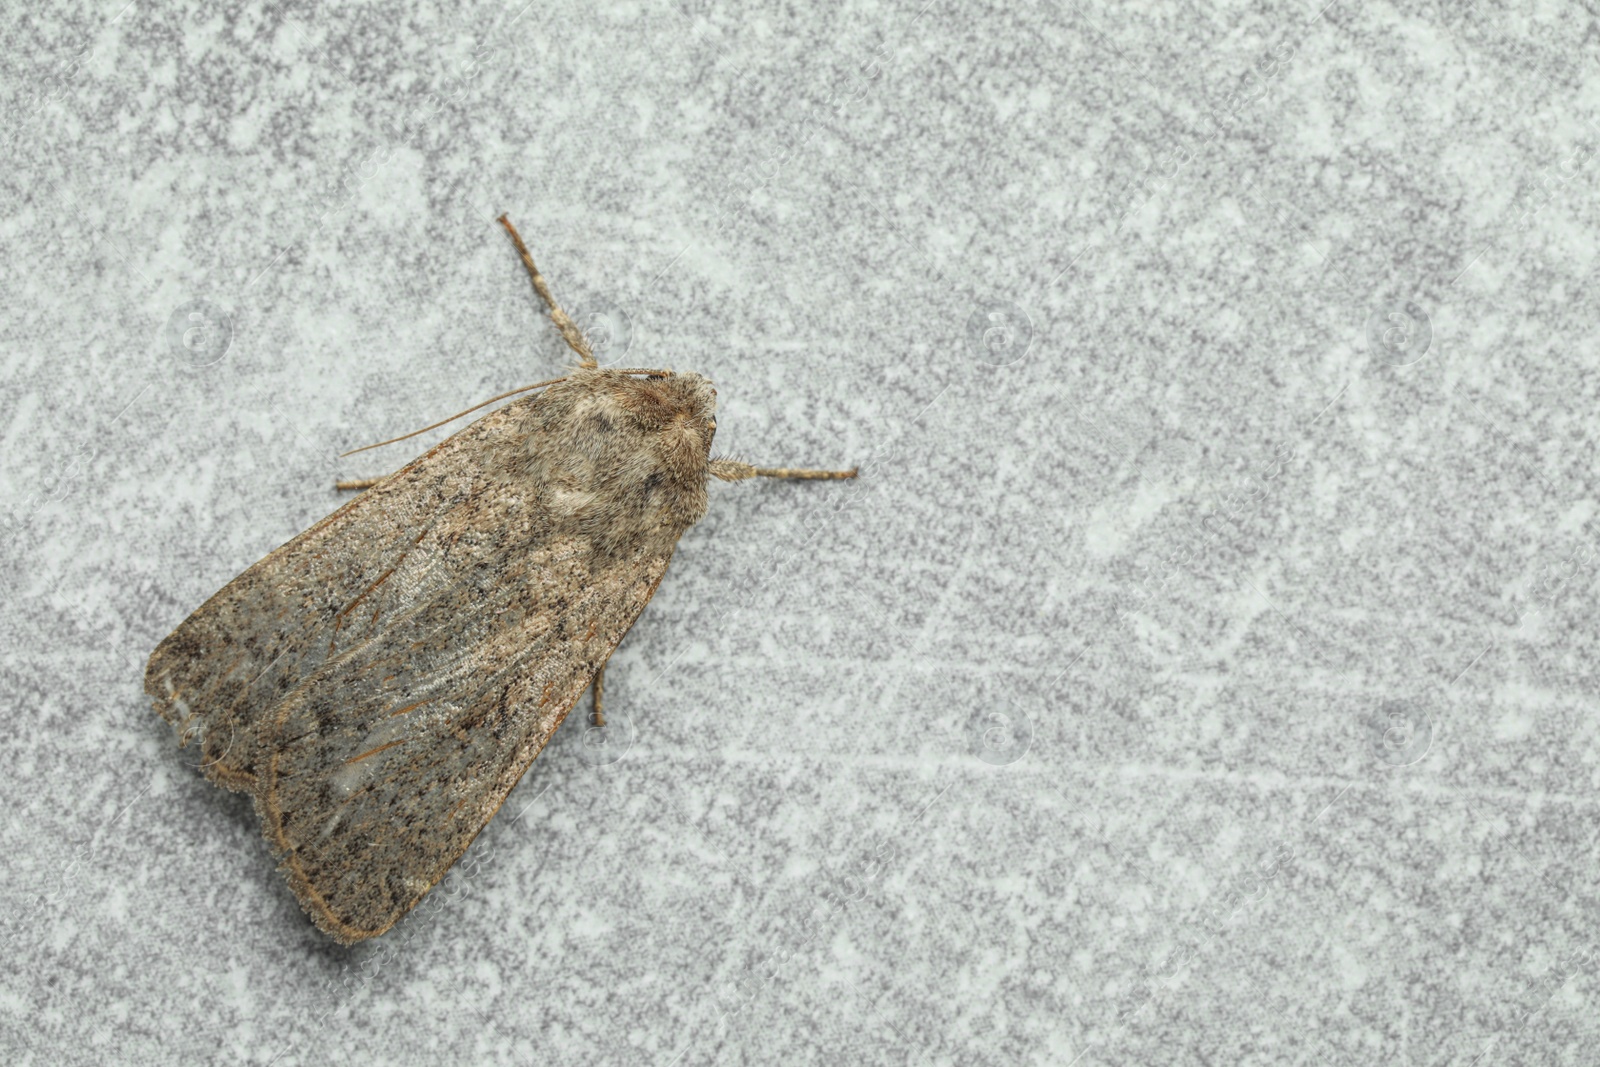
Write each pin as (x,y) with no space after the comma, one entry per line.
(569,330)
(357,483)
(731,470)
(598,717)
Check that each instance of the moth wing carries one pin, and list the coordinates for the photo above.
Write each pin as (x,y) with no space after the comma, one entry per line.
(236,657)
(382,766)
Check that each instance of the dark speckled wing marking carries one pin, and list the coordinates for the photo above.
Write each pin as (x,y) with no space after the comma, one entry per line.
(220,672)
(441,712)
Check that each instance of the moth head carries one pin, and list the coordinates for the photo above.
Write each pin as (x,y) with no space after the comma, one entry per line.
(678,412)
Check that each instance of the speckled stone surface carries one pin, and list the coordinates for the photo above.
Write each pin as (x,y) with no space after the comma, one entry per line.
(1203,670)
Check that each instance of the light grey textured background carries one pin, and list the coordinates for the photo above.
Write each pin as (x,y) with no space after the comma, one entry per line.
(1201,672)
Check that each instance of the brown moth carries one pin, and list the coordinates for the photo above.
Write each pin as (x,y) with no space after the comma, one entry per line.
(379,683)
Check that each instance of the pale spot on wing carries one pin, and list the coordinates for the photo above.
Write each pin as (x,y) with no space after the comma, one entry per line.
(347,779)
(570,501)
(327,828)
(365,758)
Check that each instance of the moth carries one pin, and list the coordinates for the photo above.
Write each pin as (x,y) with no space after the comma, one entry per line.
(380,683)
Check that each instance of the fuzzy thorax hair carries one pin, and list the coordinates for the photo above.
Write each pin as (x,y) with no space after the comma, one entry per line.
(623,458)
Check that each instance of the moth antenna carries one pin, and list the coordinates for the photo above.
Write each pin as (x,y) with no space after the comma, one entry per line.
(733,470)
(569,330)
(453,418)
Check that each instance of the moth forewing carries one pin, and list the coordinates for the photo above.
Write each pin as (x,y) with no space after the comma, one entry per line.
(382,681)
(216,676)
(386,765)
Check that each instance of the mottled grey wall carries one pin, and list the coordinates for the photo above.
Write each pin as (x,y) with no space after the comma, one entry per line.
(1202,671)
